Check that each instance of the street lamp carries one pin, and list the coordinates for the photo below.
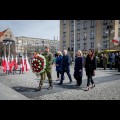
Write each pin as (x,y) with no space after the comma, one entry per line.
(43,44)
(7,42)
(74,39)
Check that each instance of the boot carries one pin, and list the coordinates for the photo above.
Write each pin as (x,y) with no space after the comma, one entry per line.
(50,86)
(39,88)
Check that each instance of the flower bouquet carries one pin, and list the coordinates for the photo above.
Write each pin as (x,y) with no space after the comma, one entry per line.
(38,64)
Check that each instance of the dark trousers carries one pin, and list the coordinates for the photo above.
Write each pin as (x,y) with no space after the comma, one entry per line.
(116,65)
(89,80)
(58,73)
(79,80)
(68,74)
(119,67)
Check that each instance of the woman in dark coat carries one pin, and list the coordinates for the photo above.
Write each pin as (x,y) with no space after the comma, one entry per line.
(58,64)
(90,67)
(78,69)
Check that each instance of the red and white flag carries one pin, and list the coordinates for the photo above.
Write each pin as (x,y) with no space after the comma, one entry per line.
(115,40)
(16,63)
(27,64)
(3,62)
(22,64)
(12,61)
(7,63)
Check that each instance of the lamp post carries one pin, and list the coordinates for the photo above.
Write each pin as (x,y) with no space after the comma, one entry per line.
(43,44)
(7,42)
(74,39)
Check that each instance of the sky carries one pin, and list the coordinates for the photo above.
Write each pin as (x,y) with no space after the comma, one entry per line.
(45,29)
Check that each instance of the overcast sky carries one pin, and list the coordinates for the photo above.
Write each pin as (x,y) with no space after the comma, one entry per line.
(45,29)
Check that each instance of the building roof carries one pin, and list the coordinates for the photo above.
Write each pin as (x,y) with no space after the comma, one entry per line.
(2,33)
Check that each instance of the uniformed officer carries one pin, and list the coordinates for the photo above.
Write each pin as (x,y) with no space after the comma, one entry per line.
(48,70)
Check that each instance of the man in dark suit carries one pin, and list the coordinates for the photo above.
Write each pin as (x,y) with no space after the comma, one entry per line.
(65,67)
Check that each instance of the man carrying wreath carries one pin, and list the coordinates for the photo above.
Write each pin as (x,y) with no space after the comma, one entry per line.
(48,70)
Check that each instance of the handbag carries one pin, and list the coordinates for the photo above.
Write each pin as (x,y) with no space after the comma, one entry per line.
(94,73)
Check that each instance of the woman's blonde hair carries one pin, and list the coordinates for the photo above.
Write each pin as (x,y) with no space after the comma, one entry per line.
(59,52)
(80,52)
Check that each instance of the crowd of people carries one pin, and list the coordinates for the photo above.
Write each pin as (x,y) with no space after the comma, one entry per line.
(62,63)
(113,59)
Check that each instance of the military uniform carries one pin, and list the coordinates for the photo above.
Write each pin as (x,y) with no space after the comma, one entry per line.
(48,70)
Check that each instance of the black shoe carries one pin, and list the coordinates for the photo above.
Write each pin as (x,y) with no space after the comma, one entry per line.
(60,83)
(70,82)
(87,89)
(76,85)
(50,87)
(38,89)
(93,85)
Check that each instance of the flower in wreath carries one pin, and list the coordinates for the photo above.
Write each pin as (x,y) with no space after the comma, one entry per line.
(38,64)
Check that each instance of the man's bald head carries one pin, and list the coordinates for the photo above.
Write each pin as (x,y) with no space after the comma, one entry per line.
(65,52)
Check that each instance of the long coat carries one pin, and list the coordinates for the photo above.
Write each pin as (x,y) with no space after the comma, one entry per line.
(58,63)
(65,65)
(78,69)
(90,66)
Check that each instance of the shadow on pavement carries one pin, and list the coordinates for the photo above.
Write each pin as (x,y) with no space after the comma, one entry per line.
(30,92)
(23,89)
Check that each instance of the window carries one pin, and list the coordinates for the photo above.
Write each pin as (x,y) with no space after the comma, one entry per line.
(92,34)
(85,36)
(85,46)
(64,28)
(119,32)
(78,36)
(105,22)
(64,46)
(10,36)
(104,32)
(104,44)
(78,46)
(92,45)
(72,47)
(72,21)
(72,27)
(110,21)
(72,37)
(64,36)
(5,35)
(78,24)
(64,22)
(85,24)
(92,23)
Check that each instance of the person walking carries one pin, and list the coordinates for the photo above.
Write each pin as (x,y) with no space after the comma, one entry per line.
(90,67)
(65,67)
(101,61)
(48,70)
(105,59)
(78,69)
(111,60)
(58,64)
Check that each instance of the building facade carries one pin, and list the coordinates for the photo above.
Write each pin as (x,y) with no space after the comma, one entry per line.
(7,43)
(89,34)
(28,45)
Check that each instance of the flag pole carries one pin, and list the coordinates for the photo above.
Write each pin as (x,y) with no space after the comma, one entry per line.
(74,40)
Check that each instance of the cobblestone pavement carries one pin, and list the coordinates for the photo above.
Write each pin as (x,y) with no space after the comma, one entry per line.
(107,86)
